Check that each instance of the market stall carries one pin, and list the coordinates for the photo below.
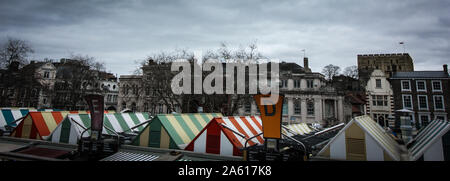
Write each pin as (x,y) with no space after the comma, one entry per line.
(432,143)
(362,139)
(173,131)
(73,125)
(228,135)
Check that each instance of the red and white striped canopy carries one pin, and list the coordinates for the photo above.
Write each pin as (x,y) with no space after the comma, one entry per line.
(227,135)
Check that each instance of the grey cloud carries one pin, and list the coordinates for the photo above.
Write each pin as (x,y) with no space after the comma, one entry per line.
(119,32)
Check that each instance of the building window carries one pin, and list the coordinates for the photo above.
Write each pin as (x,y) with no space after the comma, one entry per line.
(285,108)
(296,83)
(310,108)
(297,107)
(125,89)
(135,90)
(133,107)
(406,85)
(46,74)
(440,117)
(145,106)
(407,101)
(378,83)
(160,108)
(421,86)
(309,83)
(283,83)
(379,100)
(437,86)
(423,102)
(438,102)
(424,119)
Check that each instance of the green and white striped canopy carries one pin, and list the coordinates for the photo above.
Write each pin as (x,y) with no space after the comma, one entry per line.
(70,129)
(173,131)
(427,137)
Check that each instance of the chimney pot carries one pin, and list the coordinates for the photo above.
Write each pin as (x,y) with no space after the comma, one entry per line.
(445,68)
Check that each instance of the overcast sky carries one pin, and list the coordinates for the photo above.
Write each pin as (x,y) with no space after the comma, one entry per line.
(331,31)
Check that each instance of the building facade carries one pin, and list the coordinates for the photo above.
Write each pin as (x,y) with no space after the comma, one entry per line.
(129,92)
(308,98)
(388,63)
(29,86)
(149,92)
(380,101)
(426,93)
(56,85)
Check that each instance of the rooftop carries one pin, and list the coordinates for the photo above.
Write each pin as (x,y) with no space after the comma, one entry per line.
(420,74)
(383,55)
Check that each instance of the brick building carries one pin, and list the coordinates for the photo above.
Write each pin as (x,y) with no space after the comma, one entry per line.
(426,93)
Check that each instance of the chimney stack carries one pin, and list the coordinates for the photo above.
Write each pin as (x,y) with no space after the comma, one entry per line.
(305,64)
(445,68)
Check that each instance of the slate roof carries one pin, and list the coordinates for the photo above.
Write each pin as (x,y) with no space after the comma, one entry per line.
(291,67)
(420,74)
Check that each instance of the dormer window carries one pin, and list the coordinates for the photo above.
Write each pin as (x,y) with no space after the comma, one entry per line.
(378,83)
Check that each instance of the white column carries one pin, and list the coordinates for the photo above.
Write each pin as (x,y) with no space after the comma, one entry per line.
(303,108)
(317,109)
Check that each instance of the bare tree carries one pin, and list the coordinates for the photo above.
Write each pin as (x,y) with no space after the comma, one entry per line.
(351,71)
(155,88)
(14,50)
(76,77)
(330,71)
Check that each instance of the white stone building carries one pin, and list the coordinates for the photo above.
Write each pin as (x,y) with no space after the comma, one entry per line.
(379,96)
(308,98)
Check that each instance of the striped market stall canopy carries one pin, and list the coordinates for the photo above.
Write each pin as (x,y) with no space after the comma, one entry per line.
(173,131)
(73,125)
(296,129)
(39,125)
(432,143)
(227,135)
(362,139)
(8,116)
